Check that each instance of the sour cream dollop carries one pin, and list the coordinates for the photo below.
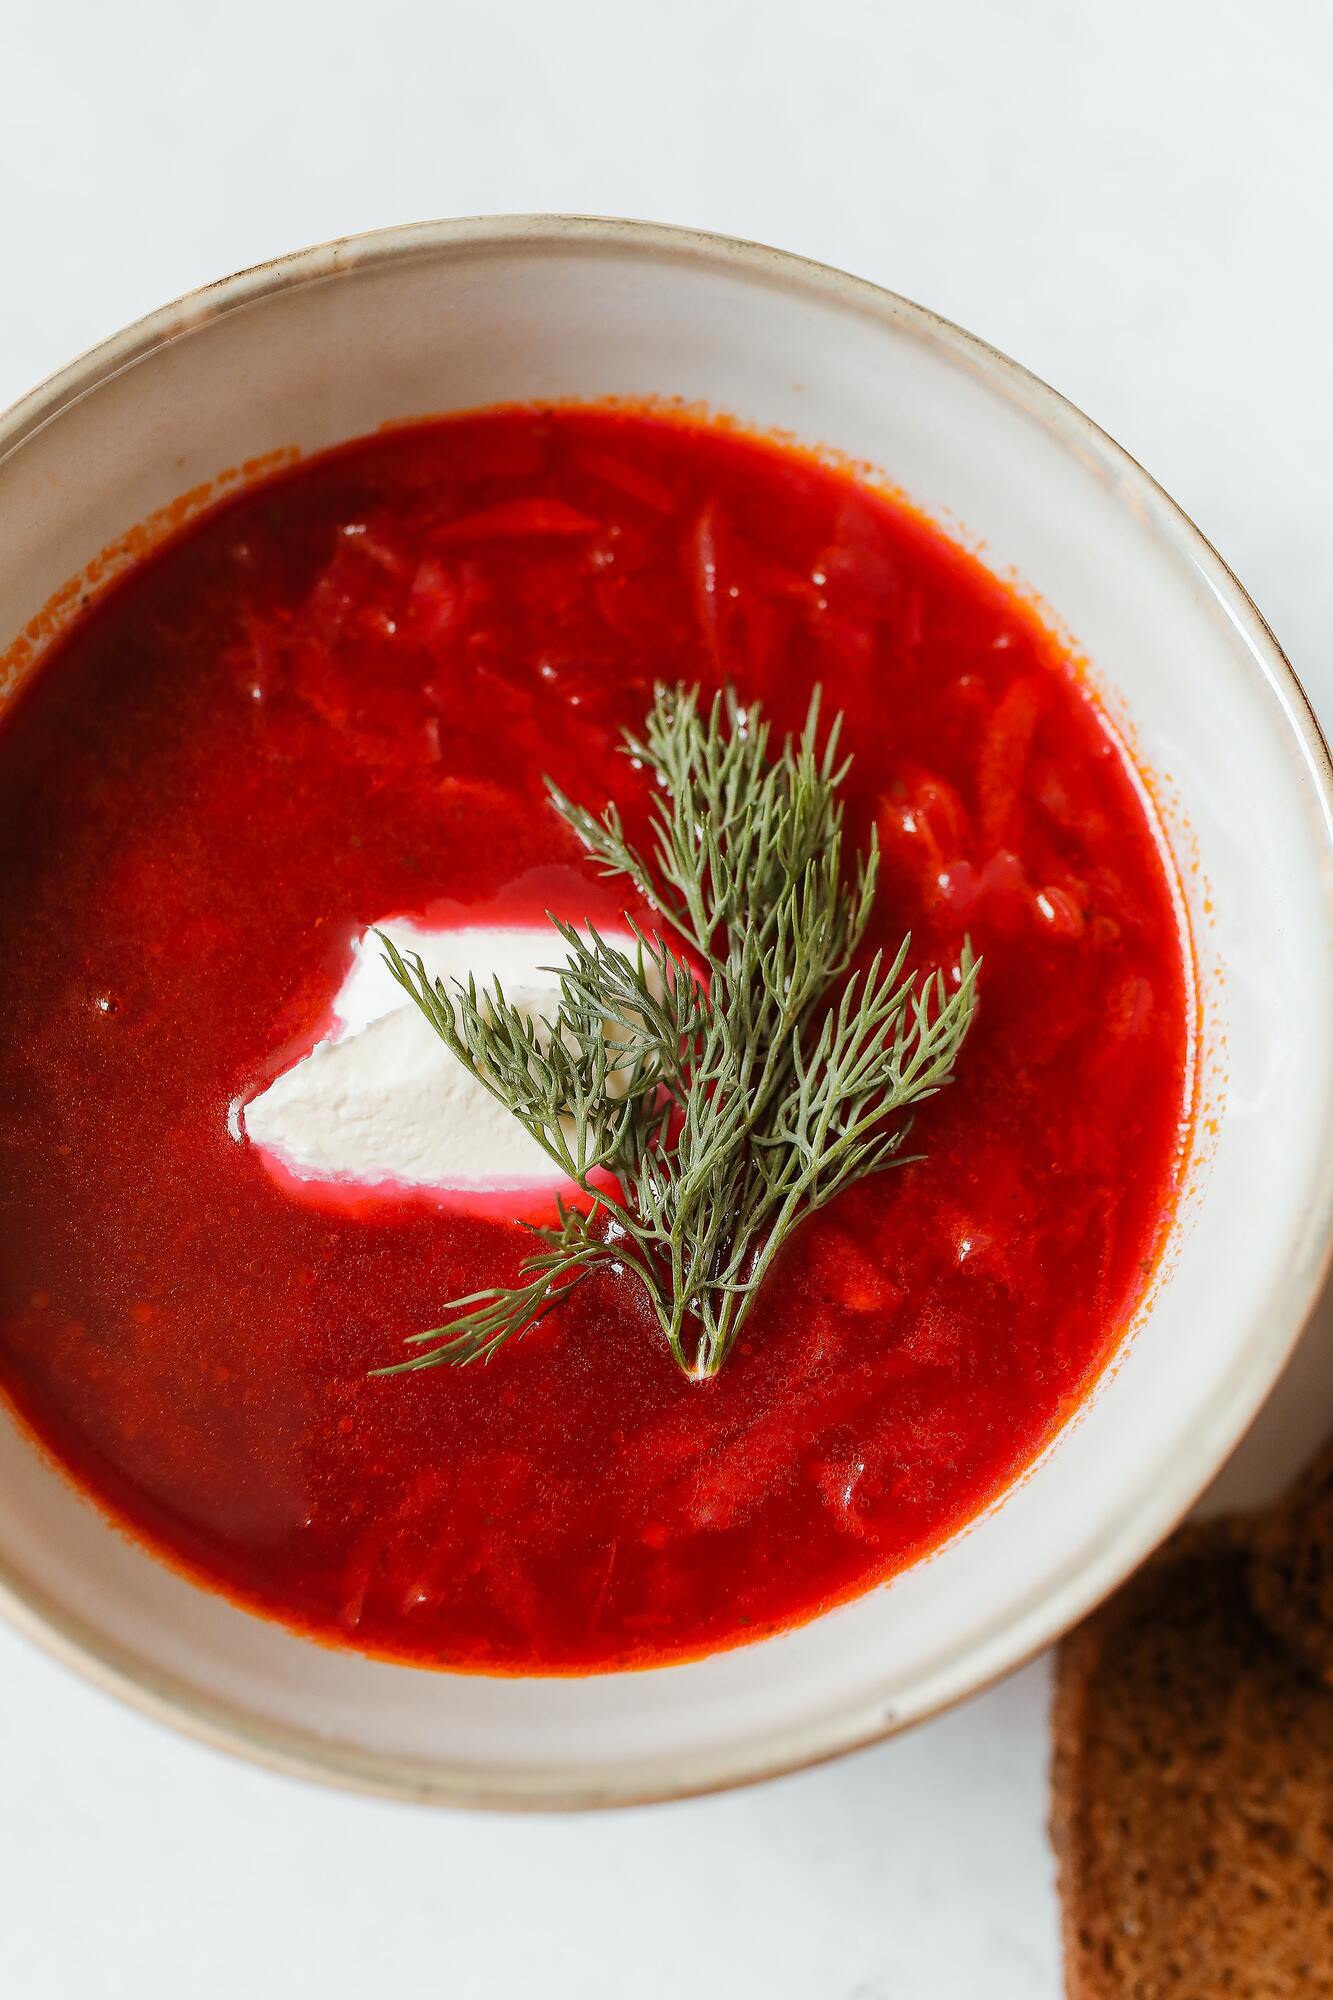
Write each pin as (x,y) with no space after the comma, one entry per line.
(381,1102)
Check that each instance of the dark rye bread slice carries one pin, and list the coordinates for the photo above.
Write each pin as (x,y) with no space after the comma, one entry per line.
(1291,1566)
(1193,1792)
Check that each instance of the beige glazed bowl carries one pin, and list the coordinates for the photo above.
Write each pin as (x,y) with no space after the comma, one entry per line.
(335,341)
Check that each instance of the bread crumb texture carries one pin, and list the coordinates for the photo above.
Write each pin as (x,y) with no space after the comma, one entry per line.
(1193,1782)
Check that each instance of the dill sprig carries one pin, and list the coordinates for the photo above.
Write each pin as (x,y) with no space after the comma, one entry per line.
(705,1101)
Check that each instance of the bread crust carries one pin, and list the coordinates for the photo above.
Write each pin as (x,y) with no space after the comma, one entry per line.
(1291,1567)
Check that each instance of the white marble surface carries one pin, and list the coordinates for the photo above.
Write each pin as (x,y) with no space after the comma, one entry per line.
(1137,200)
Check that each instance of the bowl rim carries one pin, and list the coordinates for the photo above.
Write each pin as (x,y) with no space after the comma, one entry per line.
(1030,1624)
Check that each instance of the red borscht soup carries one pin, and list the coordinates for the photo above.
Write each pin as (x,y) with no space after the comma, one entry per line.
(334,699)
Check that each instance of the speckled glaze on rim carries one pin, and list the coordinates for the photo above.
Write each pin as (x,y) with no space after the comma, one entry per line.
(1128,1531)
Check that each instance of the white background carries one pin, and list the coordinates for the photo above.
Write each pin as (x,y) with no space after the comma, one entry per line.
(1136,199)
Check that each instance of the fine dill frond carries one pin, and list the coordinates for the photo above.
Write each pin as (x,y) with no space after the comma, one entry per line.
(704,1108)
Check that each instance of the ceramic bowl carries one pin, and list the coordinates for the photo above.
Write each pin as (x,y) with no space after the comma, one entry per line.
(335,341)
